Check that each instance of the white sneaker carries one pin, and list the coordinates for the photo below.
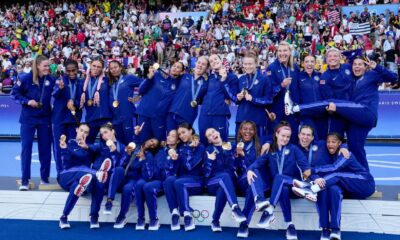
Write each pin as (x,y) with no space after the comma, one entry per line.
(288,104)
(24,188)
(305,193)
(301,184)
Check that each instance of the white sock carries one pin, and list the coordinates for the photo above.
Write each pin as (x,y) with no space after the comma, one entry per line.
(186,213)
(315,188)
(296,108)
(270,209)
(289,223)
(175,211)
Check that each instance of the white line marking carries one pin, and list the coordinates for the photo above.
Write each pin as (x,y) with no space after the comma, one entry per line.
(388,179)
(383,154)
(384,166)
(387,162)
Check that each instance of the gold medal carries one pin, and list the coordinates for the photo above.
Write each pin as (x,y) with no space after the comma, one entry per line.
(226,146)
(109,143)
(115,103)
(40,105)
(240,145)
(193,103)
(90,102)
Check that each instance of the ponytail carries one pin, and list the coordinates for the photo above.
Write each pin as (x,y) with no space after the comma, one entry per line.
(35,72)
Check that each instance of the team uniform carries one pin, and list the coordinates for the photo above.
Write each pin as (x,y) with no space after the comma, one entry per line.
(364,101)
(219,174)
(123,110)
(215,112)
(335,84)
(242,165)
(330,201)
(189,181)
(309,93)
(349,175)
(96,116)
(157,94)
(148,187)
(285,165)
(34,120)
(188,96)
(258,86)
(64,121)
(276,73)
(116,175)
(77,177)
(131,175)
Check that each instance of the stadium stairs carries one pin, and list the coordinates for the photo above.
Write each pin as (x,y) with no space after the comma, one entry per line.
(370,215)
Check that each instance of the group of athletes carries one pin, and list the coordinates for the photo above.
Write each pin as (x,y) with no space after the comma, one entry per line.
(288,142)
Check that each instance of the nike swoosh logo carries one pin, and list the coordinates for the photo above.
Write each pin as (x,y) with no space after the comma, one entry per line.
(302,79)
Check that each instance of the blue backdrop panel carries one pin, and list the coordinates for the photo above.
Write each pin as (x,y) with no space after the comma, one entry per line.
(388,113)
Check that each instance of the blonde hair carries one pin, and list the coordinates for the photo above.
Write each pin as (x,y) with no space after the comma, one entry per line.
(291,61)
(332,50)
(35,72)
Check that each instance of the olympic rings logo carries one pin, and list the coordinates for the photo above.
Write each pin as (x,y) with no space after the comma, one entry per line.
(200,216)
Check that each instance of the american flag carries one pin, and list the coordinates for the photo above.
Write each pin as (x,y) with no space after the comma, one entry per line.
(359,28)
(200,35)
(333,16)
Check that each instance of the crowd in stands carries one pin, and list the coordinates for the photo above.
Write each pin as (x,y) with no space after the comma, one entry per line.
(133,32)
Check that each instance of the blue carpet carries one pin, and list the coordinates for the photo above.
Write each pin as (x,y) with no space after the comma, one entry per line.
(32,230)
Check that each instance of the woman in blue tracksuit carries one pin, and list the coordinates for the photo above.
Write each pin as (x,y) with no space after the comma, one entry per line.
(155,172)
(283,74)
(188,180)
(219,172)
(248,149)
(335,83)
(348,173)
(170,153)
(364,101)
(76,176)
(254,96)
(215,112)
(286,162)
(122,88)
(157,94)
(309,92)
(95,98)
(329,201)
(33,91)
(148,171)
(110,148)
(66,113)
(189,95)
(131,175)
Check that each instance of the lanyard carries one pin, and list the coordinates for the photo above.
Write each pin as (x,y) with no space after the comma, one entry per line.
(283,72)
(282,161)
(116,87)
(252,82)
(249,146)
(310,153)
(195,92)
(43,87)
(216,150)
(72,89)
(92,89)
